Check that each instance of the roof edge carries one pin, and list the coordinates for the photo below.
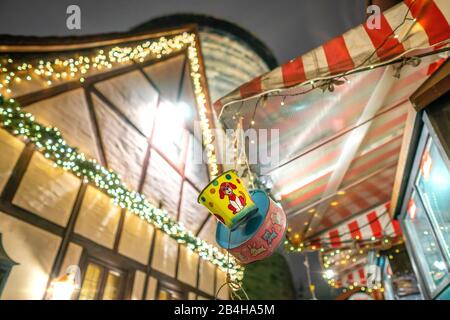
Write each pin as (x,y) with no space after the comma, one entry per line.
(201,20)
(13,43)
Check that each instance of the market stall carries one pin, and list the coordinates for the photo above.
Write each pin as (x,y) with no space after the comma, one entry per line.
(422,204)
(340,112)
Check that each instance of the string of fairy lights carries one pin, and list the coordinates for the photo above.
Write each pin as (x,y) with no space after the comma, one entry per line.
(49,141)
(293,242)
(342,258)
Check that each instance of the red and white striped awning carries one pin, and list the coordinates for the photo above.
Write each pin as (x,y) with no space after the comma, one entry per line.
(428,27)
(338,151)
(372,226)
(355,277)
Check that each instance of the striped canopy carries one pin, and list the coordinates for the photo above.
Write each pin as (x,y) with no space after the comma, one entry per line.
(356,277)
(339,147)
(374,226)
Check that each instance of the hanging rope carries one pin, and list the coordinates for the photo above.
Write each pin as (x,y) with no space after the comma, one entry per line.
(235,287)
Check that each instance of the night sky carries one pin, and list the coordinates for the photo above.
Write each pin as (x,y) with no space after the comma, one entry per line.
(288,27)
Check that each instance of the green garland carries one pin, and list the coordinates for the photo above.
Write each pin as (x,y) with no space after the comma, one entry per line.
(49,141)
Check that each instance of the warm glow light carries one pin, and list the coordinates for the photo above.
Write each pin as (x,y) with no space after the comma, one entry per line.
(329,274)
(50,142)
(63,288)
(412,209)
(301,183)
(185,110)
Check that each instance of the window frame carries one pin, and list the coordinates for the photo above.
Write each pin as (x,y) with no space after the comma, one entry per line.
(106,267)
(171,287)
(426,134)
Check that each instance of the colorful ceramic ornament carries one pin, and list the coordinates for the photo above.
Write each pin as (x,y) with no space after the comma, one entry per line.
(259,235)
(227,199)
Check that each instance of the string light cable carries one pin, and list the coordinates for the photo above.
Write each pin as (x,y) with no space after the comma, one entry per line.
(49,141)
(326,81)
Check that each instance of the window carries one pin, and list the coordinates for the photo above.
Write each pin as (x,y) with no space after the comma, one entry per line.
(433,185)
(167,291)
(427,216)
(102,283)
(424,242)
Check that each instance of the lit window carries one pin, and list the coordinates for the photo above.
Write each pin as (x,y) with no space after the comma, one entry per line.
(101,283)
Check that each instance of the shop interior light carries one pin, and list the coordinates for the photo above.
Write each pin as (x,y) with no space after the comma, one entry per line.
(185,110)
(64,287)
(440,265)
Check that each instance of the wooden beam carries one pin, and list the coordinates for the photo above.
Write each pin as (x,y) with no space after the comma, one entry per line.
(433,88)
(56,269)
(407,144)
(116,110)
(148,271)
(92,247)
(17,173)
(96,127)
(62,250)
(57,89)
(42,44)
(210,113)
(120,227)
(30,218)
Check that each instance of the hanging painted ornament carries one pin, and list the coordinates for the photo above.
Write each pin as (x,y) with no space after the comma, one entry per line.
(259,235)
(227,199)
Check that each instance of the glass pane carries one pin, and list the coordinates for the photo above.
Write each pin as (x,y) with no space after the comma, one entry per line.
(428,254)
(91,282)
(434,188)
(164,295)
(112,286)
(176,295)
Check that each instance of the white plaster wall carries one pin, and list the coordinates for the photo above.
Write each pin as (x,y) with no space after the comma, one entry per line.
(151,288)
(138,285)
(188,264)
(98,218)
(206,282)
(165,254)
(11,146)
(35,251)
(136,238)
(47,191)
(72,257)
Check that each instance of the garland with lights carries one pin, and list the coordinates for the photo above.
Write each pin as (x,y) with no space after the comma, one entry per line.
(335,259)
(78,67)
(49,141)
